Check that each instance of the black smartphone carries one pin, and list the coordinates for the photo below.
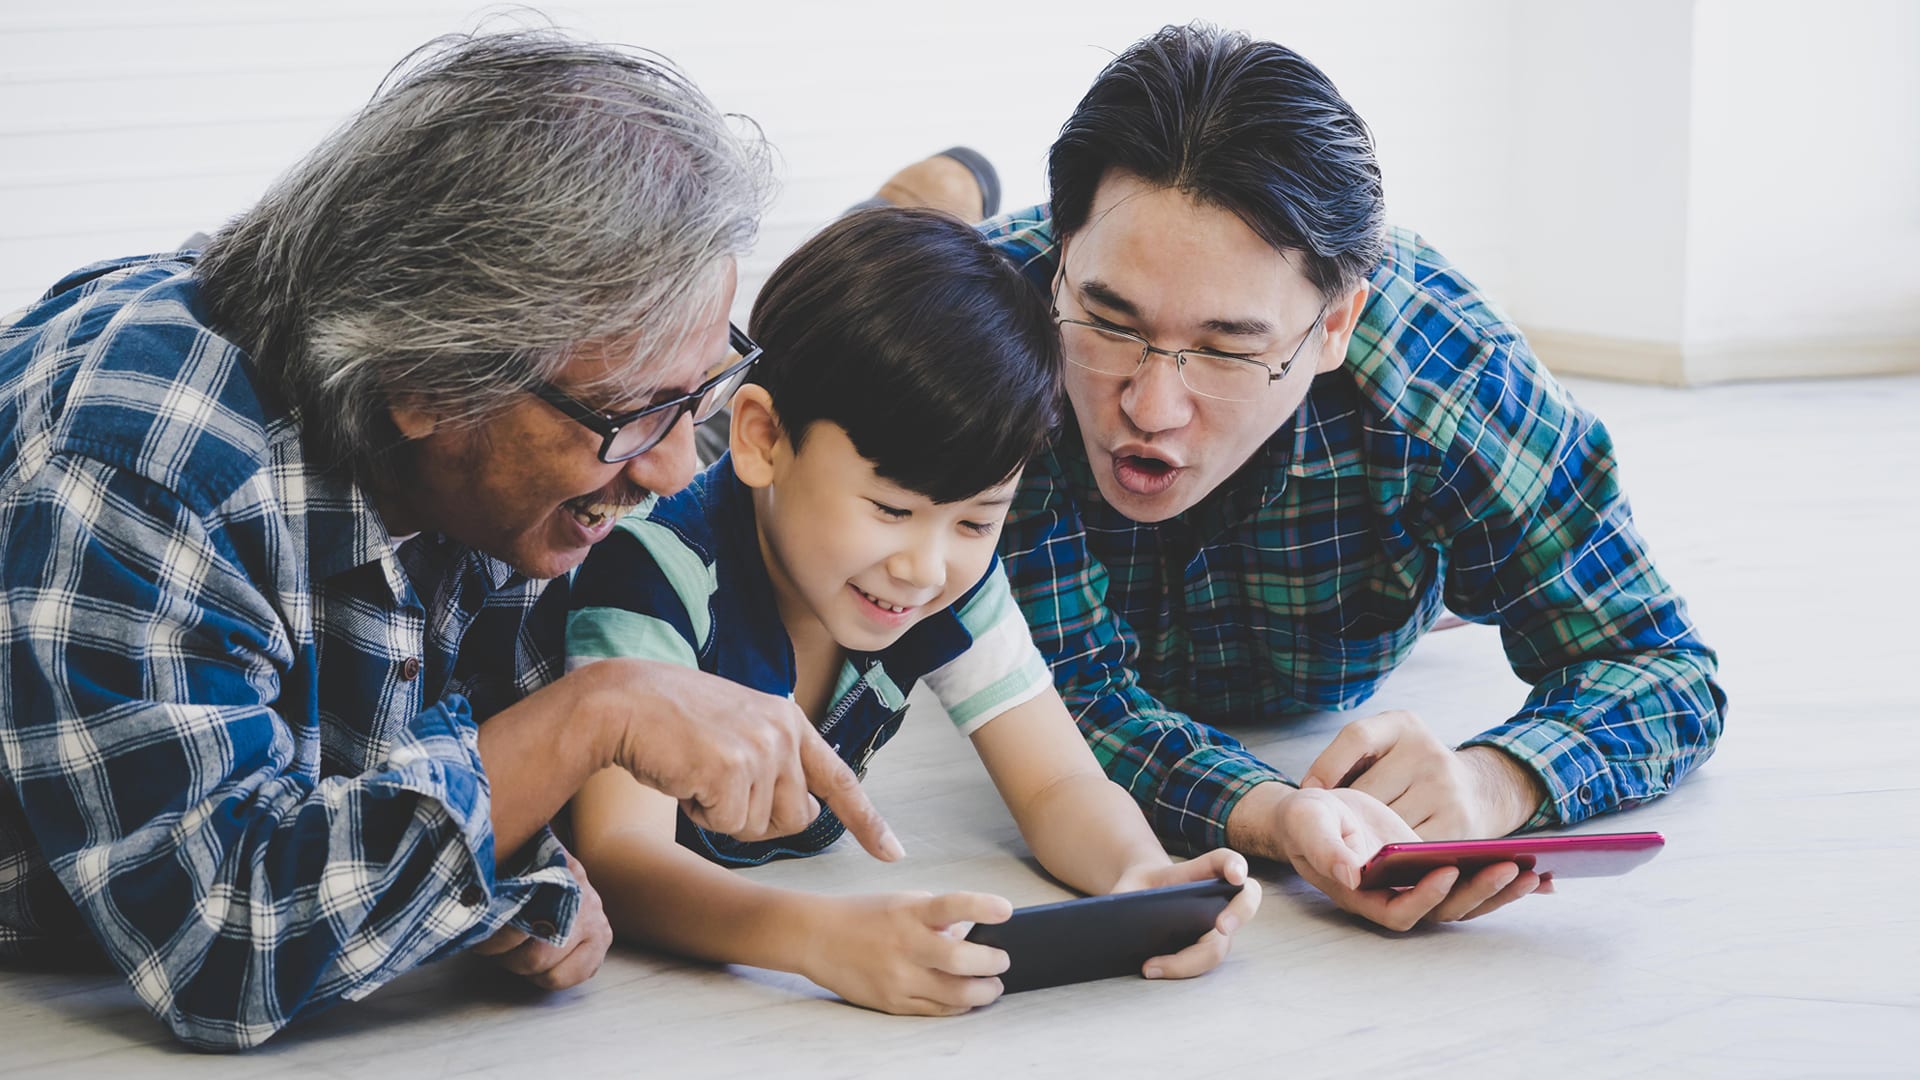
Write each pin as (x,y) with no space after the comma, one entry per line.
(1099,937)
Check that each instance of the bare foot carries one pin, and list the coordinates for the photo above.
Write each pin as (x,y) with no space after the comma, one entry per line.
(937,183)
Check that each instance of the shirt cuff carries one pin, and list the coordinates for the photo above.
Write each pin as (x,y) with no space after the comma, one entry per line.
(1579,780)
(438,756)
(1191,809)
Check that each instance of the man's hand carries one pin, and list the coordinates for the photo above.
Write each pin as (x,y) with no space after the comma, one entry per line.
(1327,835)
(1206,954)
(741,762)
(556,967)
(1443,793)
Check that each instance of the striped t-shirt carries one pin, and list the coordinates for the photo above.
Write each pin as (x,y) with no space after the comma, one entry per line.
(682,580)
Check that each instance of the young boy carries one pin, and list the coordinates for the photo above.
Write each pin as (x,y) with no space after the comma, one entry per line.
(843,552)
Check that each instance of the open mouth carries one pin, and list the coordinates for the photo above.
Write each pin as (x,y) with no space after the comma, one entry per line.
(592,513)
(1144,475)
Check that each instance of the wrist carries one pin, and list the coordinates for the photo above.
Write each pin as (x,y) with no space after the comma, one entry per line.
(807,931)
(1256,826)
(606,692)
(1510,793)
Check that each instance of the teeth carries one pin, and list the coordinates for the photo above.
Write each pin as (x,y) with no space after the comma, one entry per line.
(877,602)
(592,514)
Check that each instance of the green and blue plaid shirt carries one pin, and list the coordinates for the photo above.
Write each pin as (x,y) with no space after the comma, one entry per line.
(1440,466)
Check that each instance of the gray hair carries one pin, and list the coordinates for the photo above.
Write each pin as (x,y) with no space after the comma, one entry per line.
(503,199)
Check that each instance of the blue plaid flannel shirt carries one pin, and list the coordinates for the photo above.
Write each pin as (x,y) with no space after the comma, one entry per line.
(1439,465)
(237,728)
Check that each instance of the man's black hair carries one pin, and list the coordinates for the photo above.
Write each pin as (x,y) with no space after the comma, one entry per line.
(908,330)
(1247,126)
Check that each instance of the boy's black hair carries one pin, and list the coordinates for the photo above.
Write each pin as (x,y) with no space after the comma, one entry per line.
(1247,126)
(908,330)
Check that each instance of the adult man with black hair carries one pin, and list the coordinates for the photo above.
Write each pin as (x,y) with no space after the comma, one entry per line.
(1295,435)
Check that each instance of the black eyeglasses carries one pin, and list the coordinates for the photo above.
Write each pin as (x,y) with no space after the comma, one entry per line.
(625,436)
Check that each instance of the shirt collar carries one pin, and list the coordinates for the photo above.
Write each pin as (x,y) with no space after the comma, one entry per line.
(344,529)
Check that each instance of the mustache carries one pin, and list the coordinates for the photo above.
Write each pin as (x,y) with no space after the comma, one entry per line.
(619,493)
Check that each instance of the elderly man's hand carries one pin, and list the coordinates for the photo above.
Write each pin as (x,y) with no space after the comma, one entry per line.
(741,762)
(556,967)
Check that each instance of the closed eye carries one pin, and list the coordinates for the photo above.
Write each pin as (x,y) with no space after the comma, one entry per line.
(1243,357)
(980,528)
(893,512)
(1112,327)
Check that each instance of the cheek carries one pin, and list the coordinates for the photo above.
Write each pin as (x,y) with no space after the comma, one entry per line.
(967,563)
(1090,394)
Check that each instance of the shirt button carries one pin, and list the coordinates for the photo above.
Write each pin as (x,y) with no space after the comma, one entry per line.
(473,896)
(542,928)
(410,668)
(1586,793)
(1669,775)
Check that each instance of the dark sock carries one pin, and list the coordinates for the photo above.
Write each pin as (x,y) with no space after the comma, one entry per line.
(984,174)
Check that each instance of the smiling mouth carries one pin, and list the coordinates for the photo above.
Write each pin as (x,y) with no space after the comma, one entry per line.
(591,512)
(895,609)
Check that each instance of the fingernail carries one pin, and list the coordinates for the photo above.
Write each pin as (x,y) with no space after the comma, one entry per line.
(1154,973)
(1229,923)
(891,845)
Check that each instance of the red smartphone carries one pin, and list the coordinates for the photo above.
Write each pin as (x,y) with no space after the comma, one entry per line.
(1591,855)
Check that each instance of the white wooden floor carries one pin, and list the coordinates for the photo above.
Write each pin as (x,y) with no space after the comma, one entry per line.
(1777,935)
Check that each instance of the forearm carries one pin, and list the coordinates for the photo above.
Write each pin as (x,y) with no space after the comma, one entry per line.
(1606,735)
(539,752)
(1087,832)
(663,896)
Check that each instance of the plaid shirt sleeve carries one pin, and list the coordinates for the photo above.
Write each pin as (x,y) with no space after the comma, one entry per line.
(1526,500)
(189,823)
(1186,776)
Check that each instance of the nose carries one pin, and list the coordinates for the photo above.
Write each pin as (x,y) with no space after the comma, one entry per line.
(921,565)
(671,464)
(1155,399)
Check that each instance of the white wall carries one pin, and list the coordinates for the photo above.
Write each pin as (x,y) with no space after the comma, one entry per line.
(1805,190)
(1599,149)
(1610,168)
(125,126)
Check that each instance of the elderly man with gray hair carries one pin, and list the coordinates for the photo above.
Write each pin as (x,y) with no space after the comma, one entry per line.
(281,523)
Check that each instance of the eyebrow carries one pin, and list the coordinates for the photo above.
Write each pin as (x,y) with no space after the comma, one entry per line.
(1103,294)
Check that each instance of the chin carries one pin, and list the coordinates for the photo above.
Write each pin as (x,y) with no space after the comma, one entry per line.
(1145,509)
(545,565)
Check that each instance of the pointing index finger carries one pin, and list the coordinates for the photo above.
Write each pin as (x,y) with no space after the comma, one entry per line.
(833,781)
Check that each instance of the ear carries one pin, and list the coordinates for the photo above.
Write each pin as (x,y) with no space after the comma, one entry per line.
(413,421)
(755,437)
(1343,315)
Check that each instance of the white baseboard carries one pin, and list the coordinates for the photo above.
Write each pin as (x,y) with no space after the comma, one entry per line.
(1673,364)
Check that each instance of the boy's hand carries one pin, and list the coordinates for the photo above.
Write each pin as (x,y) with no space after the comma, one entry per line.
(1329,834)
(1207,953)
(906,953)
